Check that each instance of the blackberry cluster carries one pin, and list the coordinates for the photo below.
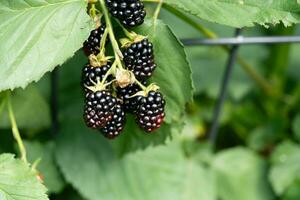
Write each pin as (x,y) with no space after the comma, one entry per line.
(91,75)
(139,58)
(150,111)
(92,44)
(107,101)
(114,127)
(126,96)
(99,108)
(102,111)
(130,13)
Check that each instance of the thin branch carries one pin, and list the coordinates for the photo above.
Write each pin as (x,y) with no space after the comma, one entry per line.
(15,129)
(2,104)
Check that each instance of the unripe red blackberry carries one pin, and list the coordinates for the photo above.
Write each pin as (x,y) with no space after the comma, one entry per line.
(91,75)
(139,58)
(126,95)
(114,127)
(130,13)
(92,44)
(150,111)
(99,108)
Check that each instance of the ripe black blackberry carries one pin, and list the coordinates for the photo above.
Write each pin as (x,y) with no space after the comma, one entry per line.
(92,44)
(150,111)
(139,58)
(114,127)
(130,13)
(125,94)
(99,108)
(92,74)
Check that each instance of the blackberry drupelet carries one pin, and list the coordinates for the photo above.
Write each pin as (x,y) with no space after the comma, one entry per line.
(99,108)
(114,127)
(125,95)
(92,44)
(92,74)
(130,13)
(150,111)
(139,58)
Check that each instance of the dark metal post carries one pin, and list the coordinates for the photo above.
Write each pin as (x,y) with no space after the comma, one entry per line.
(54,102)
(223,90)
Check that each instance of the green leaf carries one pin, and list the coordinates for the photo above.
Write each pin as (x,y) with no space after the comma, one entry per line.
(264,137)
(241,174)
(18,181)
(47,166)
(293,192)
(30,108)
(285,168)
(36,36)
(296,127)
(161,172)
(240,13)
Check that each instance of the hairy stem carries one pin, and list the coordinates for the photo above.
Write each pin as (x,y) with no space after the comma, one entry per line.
(15,129)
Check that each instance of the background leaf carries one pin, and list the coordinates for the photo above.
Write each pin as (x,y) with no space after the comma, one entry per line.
(28,104)
(161,172)
(47,166)
(285,168)
(36,36)
(240,174)
(18,181)
(296,127)
(240,13)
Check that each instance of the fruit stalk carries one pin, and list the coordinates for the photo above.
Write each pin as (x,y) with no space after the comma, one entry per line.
(15,130)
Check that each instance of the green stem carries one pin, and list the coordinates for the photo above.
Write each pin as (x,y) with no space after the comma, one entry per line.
(92,1)
(15,130)
(141,85)
(156,13)
(102,43)
(264,85)
(130,35)
(109,72)
(2,105)
(117,51)
(92,11)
